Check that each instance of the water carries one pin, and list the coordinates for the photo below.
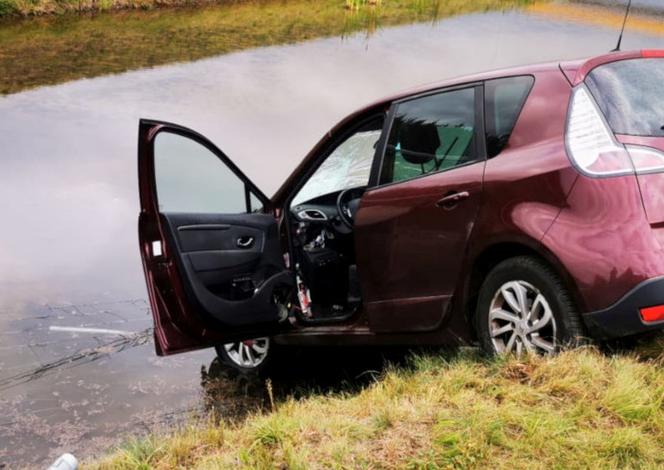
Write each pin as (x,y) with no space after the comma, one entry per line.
(68,188)
(643,4)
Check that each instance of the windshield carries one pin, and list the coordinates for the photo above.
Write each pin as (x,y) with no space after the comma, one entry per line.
(630,93)
(348,166)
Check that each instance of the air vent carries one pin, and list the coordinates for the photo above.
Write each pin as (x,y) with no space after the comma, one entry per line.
(312,214)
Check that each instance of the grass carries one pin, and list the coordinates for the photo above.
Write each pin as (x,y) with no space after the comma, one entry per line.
(580,409)
(50,50)
(27,8)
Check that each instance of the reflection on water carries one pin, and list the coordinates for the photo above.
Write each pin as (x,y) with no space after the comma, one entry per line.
(69,196)
(50,50)
(295,374)
(644,17)
(82,356)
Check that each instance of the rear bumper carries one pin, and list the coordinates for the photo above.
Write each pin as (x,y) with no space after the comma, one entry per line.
(623,317)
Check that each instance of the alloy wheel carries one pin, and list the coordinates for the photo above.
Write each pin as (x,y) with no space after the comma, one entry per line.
(249,353)
(520,318)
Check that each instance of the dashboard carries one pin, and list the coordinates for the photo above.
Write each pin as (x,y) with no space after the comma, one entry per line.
(335,211)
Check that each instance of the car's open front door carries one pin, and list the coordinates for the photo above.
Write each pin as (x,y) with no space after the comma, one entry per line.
(210,246)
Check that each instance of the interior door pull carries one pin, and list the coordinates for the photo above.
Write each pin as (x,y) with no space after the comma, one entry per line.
(245,242)
(452,199)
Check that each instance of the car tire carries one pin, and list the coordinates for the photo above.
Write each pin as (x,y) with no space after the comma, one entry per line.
(524,306)
(249,357)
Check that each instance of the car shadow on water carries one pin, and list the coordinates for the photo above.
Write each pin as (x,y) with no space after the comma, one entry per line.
(296,373)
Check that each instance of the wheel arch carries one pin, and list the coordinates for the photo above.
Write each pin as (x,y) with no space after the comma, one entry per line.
(489,256)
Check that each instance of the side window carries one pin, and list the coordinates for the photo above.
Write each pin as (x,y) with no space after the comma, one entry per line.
(430,134)
(348,165)
(190,178)
(503,100)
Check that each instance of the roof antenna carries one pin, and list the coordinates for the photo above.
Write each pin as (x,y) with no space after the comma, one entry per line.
(629,5)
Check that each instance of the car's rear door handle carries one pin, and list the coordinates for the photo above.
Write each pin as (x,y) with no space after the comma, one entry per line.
(451,200)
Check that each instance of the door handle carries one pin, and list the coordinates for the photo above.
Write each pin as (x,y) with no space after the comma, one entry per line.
(451,199)
(245,242)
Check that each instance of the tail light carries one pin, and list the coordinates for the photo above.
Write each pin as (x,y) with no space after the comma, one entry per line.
(593,148)
(590,143)
(652,314)
(652,53)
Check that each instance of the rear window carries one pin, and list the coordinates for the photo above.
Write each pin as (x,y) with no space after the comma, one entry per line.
(630,93)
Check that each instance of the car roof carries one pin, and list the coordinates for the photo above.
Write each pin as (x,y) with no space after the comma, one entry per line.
(574,70)
(460,80)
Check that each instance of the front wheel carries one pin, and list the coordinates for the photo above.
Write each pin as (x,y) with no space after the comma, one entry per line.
(523,306)
(248,357)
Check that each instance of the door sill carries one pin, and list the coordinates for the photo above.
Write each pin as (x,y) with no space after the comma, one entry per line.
(333,320)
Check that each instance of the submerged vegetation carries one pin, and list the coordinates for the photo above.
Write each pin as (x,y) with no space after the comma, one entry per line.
(580,409)
(49,50)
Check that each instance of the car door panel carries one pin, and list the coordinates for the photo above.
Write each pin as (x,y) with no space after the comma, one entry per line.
(212,247)
(413,226)
(214,276)
(417,247)
(211,276)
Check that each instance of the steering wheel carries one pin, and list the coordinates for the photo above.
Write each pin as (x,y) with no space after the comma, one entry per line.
(348,202)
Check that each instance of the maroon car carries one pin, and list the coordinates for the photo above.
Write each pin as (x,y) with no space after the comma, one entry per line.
(522,209)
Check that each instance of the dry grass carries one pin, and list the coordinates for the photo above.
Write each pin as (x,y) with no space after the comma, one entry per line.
(581,409)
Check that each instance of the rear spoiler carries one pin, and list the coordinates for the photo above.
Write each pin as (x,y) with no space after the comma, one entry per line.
(576,72)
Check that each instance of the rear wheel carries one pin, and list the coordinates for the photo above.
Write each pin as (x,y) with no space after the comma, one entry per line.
(248,357)
(523,306)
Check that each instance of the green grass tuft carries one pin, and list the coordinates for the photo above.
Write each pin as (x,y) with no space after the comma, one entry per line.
(8,8)
(139,453)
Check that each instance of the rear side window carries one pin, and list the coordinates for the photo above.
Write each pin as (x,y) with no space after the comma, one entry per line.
(430,134)
(503,100)
(630,93)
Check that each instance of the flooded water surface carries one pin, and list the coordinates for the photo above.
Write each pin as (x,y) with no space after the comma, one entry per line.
(68,186)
